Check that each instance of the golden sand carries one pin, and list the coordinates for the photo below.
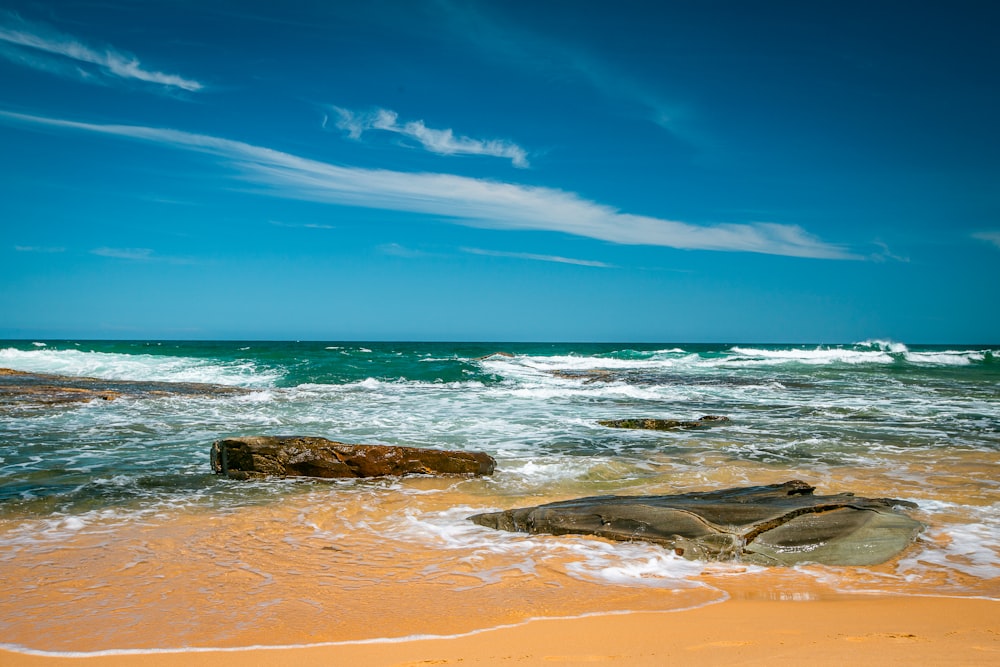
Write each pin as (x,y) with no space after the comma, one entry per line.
(883,631)
(338,566)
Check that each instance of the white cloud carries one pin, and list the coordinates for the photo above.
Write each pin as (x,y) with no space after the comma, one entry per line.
(463,200)
(442,142)
(537,258)
(136,254)
(139,255)
(990,237)
(885,254)
(397,250)
(301,225)
(35,248)
(33,40)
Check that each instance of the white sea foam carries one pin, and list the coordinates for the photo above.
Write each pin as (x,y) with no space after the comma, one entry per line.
(114,366)
(73,523)
(814,356)
(543,473)
(884,345)
(570,390)
(970,548)
(635,564)
(867,352)
(677,360)
(945,358)
(534,365)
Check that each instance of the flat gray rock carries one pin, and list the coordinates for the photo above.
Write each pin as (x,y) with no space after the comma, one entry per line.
(779,524)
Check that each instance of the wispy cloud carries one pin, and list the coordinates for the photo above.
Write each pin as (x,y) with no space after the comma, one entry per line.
(397,250)
(442,142)
(35,248)
(885,254)
(301,225)
(136,254)
(463,200)
(43,47)
(139,255)
(990,237)
(537,258)
(539,53)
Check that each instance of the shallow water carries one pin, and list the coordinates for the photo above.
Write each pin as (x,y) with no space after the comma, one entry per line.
(115,535)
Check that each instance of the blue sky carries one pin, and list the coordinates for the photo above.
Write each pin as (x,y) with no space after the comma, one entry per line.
(444,170)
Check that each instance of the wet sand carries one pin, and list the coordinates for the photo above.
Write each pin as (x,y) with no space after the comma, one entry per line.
(334,567)
(884,631)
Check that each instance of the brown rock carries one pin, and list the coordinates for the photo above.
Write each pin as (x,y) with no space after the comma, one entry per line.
(494,354)
(662,424)
(20,390)
(256,457)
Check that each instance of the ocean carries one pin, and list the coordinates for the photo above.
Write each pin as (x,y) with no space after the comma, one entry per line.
(116,536)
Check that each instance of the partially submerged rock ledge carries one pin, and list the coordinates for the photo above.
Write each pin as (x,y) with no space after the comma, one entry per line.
(663,424)
(21,389)
(779,524)
(258,457)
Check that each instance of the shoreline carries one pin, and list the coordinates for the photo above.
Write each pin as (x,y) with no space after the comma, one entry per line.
(827,631)
(120,546)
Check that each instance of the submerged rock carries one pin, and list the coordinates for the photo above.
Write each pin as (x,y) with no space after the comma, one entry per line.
(779,524)
(589,376)
(20,389)
(493,355)
(662,424)
(257,457)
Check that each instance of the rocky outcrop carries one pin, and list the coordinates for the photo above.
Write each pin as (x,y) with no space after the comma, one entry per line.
(780,524)
(20,390)
(663,424)
(257,457)
(494,355)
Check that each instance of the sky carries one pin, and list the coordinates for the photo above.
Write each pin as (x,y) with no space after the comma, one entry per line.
(553,170)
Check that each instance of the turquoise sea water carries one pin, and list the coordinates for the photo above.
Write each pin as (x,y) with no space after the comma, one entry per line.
(920,423)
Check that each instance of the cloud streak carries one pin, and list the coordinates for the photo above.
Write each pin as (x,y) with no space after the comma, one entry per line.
(73,57)
(300,225)
(511,43)
(134,254)
(989,237)
(442,142)
(42,249)
(138,255)
(537,258)
(462,200)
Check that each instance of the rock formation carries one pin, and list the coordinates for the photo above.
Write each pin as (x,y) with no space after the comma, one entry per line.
(19,389)
(780,524)
(662,424)
(257,457)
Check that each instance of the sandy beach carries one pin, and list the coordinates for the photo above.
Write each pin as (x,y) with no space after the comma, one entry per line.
(884,631)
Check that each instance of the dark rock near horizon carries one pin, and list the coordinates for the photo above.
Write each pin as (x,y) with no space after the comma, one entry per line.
(658,377)
(663,424)
(491,355)
(779,524)
(257,457)
(21,389)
